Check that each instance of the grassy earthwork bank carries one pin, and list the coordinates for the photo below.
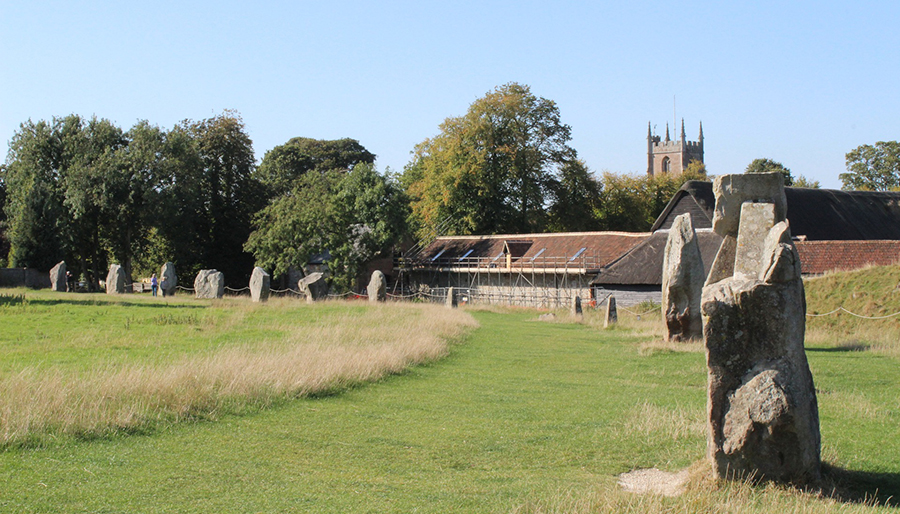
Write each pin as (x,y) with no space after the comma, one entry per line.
(519,415)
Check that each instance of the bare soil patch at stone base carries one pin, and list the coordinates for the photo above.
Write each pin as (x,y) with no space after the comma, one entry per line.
(654,481)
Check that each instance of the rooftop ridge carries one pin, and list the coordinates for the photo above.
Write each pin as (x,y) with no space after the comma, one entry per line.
(519,237)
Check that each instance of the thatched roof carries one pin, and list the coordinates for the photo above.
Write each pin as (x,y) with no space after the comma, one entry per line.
(814,214)
(643,265)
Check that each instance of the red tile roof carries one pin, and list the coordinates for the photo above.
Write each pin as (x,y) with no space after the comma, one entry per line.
(817,257)
(587,250)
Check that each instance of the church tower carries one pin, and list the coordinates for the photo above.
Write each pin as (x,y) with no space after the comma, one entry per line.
(672,156)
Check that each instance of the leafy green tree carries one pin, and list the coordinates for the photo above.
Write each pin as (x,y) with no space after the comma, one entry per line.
(632,203)
(802,181)
(492,170)
(576,200)
(873,167)
(34,206)
(285,164)
(353,216)
(695,168)
(770,166)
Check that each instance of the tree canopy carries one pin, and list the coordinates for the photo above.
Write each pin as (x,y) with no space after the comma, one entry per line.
(770,166)
(873,167)
(283,165)
(493,170)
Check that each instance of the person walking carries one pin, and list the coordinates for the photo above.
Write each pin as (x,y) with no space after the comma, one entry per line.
(154,284)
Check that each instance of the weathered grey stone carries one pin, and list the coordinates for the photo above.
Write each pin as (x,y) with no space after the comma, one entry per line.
(756,220)
(58,277)
(377,288)
(612,315)
(451,300)
(576,307)
(168,280)
(115,280)
(209,283)
(732,191)
(682,282)
(313,286)
(723,265)
(762,407)
(259,285)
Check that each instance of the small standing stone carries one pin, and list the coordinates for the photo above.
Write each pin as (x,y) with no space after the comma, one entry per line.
(452,301)
(115,280)
(612,316)
(210,284)
(576,307)
(58,277)
(259,285)
(377,288)
(313,286)
(168,279)
(682,282)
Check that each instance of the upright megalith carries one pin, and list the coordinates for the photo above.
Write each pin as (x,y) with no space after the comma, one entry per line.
(115,280)
(576,307)
(611,315)
(259,285)
(168,280)
(210,284)
(58,277)
(763,414)
(451,300)
(682,282)
(377,288)
(313,287)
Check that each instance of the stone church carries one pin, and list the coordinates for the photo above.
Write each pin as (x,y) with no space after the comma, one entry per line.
(672,156)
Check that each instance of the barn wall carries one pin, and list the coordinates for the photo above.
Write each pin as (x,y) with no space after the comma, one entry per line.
(629,295)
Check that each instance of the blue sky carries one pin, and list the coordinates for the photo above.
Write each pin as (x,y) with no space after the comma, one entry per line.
(802,83)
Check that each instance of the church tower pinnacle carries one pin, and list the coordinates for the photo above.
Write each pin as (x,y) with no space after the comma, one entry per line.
(672,157)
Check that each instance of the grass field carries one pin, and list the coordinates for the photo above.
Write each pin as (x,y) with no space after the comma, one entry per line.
(525,416)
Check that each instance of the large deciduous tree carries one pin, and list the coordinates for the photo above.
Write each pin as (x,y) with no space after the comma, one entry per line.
(283,165)
(493,170)
(873,167)
(353,216)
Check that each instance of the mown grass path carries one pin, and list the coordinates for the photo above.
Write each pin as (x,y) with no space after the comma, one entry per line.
(524,409)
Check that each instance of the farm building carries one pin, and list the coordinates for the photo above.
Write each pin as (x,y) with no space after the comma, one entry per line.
(539,270)
(833,230)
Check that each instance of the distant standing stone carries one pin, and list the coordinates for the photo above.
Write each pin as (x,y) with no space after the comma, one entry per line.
(682,282)
(115,280)
(259,285)
(210,284)
(612,316)
(58,277)
(576,307)
(168,279)
(377,289)
(313,286)
(452,302)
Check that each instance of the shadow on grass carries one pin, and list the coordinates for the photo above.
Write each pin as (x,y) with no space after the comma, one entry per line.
(60,301)
(845,347)
(850,486)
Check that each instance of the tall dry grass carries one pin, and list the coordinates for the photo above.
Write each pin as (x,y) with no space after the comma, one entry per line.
(356,348)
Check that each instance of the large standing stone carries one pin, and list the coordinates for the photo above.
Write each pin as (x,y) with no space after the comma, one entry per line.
(209,283)
(259,285)
(452,300)
(682,282)
(168,280)
(377,288)
(58,278)
(576,307)
(115,280)
(313,286)
(762,408)
(611,316)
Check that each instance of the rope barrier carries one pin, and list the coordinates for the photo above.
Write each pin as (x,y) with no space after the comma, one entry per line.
(237,290)
(854,314)
(641,314)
